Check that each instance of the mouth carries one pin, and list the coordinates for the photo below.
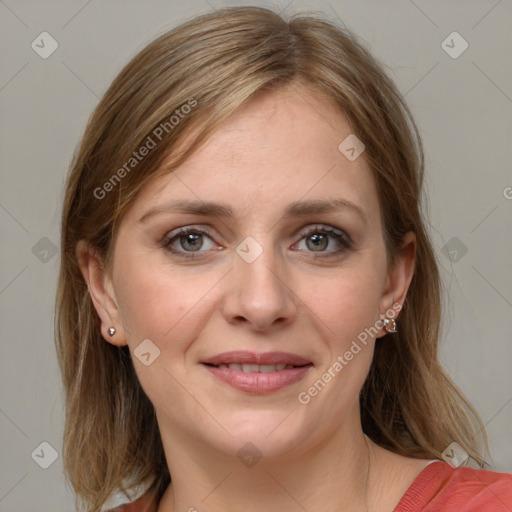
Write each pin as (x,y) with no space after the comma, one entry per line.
(255,368)
(257,373)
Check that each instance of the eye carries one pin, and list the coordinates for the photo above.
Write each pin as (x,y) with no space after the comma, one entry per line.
(321,239)
(187,240)
(318,239)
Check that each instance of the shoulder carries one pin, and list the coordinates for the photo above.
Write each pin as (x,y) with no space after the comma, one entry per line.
(441,487)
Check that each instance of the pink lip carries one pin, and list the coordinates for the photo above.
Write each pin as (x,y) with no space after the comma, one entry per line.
(244,357)
(258,382)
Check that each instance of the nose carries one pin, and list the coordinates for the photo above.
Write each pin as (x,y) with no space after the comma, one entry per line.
(259,293)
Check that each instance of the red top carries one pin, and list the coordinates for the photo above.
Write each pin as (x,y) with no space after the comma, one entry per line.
(442,488)
(438,488)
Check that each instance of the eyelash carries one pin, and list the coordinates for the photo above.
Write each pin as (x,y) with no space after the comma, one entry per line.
(339,236)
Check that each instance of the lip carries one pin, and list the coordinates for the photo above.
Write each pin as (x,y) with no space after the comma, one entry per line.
(257,382)
(245,357)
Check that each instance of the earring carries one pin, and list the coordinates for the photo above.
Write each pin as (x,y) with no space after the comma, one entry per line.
(389,324)
(111,331)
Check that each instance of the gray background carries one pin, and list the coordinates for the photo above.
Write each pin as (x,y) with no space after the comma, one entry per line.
(462,106)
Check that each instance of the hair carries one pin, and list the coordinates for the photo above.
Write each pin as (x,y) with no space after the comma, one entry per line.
(216,63)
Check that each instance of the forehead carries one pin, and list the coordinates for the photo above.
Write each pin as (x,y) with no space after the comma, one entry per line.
(278,148)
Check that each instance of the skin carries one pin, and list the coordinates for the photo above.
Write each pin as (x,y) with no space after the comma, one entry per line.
(279,148)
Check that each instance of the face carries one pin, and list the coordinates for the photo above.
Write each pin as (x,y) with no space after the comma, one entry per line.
(282,272)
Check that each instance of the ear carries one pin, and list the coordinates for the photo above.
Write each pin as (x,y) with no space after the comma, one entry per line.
(101,291)
(399,277)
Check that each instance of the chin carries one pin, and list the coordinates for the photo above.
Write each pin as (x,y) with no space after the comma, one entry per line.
(265,429)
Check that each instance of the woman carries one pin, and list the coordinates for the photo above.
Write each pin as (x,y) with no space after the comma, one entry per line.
(249,303)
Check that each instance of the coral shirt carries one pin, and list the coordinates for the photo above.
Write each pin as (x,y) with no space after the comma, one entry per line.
(442,488)
(438,488)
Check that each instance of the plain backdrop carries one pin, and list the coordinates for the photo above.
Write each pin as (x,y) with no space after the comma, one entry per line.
(462,104)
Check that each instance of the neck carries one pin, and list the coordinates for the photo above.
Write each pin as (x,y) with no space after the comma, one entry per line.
(333,476)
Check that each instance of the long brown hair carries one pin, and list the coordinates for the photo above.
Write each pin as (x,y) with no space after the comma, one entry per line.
(214,64)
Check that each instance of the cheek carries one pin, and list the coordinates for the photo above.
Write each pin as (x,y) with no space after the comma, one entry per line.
(346,302)
(159,302)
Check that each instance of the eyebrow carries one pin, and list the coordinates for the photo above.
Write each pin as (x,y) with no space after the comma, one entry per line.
(222,210)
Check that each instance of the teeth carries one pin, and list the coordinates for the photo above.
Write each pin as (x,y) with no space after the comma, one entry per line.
(255,368)
(265,368)
(250,368)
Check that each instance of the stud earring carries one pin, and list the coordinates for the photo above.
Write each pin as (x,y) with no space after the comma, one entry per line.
(111,331)
(389,325)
